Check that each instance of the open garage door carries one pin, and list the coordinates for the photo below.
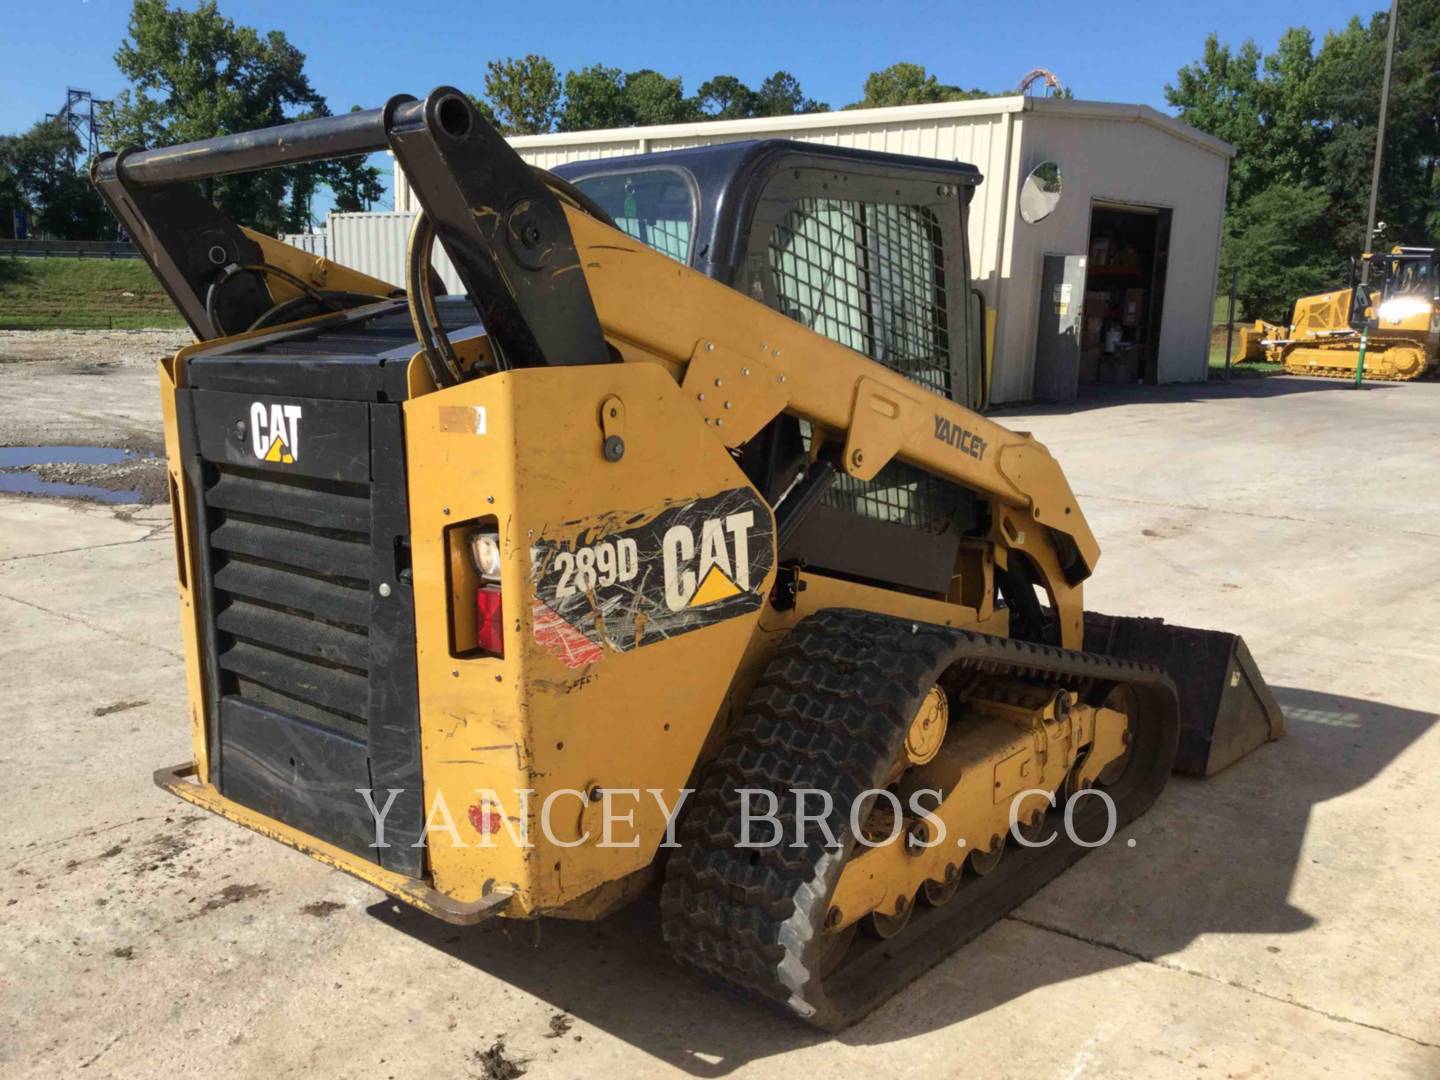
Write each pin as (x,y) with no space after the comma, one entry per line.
(1124,293)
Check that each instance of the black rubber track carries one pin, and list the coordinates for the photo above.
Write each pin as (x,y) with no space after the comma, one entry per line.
(830,713)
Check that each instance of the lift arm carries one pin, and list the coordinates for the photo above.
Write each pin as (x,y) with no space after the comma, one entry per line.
(554,285)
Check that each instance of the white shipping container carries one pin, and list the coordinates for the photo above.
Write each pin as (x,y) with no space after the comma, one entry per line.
(311,242)
(375,244)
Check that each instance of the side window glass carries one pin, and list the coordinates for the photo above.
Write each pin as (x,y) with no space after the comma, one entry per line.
(655,206)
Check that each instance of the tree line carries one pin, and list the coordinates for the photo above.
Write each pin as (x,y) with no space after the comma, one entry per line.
(195,73)
(528,96)
(1303,121)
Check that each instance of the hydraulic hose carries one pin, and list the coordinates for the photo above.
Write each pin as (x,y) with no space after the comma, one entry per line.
(440,357)
(326,300)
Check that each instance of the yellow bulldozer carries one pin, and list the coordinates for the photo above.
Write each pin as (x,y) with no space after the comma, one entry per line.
(1402,338)
(674,552)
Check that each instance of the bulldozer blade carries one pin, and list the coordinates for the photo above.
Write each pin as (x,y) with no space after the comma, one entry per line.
(1226,709)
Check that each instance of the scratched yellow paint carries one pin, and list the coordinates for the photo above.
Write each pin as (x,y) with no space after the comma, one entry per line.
(633,719)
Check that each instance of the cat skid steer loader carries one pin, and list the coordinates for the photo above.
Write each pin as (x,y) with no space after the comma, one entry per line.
(687,493)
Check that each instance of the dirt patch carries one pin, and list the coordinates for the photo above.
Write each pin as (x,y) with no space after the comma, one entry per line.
(559,1025)
(496,1065)
(231,894)
(322,909)
(91,347)
(125,952)
(117,706)
(144,476)
(1164,532)
(158,853)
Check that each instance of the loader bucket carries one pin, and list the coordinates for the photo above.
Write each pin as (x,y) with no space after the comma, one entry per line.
(1226,710)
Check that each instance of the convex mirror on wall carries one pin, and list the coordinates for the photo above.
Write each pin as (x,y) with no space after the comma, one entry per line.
(1040,193)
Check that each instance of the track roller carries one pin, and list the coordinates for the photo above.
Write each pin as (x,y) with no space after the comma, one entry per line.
(835,710)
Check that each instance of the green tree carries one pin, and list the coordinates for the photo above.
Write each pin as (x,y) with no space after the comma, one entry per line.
(1303,123)
(653,98)
(909,84)
(43,173)
(602,97)
(195,74)
(1221,94)
(725,98)
(11,198)
(595,99)
(524,93)
(1280,240)
(1347,76)
(1290,112)
(354,185)
(780,95)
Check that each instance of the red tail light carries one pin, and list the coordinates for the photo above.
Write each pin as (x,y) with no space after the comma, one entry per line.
(489,620)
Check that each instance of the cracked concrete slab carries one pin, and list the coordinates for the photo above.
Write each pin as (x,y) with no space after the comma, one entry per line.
(1270,921)
(31,526)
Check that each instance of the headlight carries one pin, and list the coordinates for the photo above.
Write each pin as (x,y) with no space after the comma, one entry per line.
(1399,308)
(485,550)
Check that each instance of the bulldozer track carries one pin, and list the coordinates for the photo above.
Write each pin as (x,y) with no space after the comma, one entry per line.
(830,713)
(1374,354)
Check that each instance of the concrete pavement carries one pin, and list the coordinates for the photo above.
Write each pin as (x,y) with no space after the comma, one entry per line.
(1272,921)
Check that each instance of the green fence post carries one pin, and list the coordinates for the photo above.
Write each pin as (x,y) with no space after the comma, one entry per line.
(1360,360)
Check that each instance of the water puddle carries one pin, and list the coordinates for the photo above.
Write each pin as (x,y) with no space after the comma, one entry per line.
(24,457)
(29,483)
(18,473)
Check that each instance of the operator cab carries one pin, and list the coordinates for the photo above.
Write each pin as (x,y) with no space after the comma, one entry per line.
(865,248)
(1410,286)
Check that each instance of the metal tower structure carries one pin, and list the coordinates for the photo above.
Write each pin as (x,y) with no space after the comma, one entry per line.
(81,113)
(1049,78)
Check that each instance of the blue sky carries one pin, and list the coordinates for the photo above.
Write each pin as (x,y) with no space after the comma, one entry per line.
(360,52)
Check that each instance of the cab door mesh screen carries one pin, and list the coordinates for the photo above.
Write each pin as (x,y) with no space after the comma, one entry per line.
(870,276)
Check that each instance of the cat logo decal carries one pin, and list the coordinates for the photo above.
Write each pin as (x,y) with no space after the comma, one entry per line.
(275,432)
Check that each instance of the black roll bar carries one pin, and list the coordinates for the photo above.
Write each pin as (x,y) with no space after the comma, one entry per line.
(265,148)
(504,229)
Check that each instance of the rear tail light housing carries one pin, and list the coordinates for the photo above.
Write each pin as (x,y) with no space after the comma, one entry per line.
(489,620)
(485,552)
(477,617)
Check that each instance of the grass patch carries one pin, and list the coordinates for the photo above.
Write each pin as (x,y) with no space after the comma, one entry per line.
(1241,371)
(1222,308)
(82,294)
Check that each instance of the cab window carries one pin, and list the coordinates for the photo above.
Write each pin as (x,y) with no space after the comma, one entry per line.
(655,206)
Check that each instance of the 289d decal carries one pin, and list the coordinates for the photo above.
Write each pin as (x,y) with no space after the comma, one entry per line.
(688,566)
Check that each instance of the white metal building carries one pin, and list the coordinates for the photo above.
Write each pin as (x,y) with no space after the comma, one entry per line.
(1142,200)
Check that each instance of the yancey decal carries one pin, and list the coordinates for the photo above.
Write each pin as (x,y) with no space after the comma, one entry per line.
(691,565)
(967,442)
(275,432)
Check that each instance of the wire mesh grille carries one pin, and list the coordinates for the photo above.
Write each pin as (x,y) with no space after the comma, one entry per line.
(870,276)
(900,494)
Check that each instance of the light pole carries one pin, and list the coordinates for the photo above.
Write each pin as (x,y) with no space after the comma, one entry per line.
(1375,183)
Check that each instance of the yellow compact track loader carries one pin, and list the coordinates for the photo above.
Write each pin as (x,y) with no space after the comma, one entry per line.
(1323,338)
(674,552)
